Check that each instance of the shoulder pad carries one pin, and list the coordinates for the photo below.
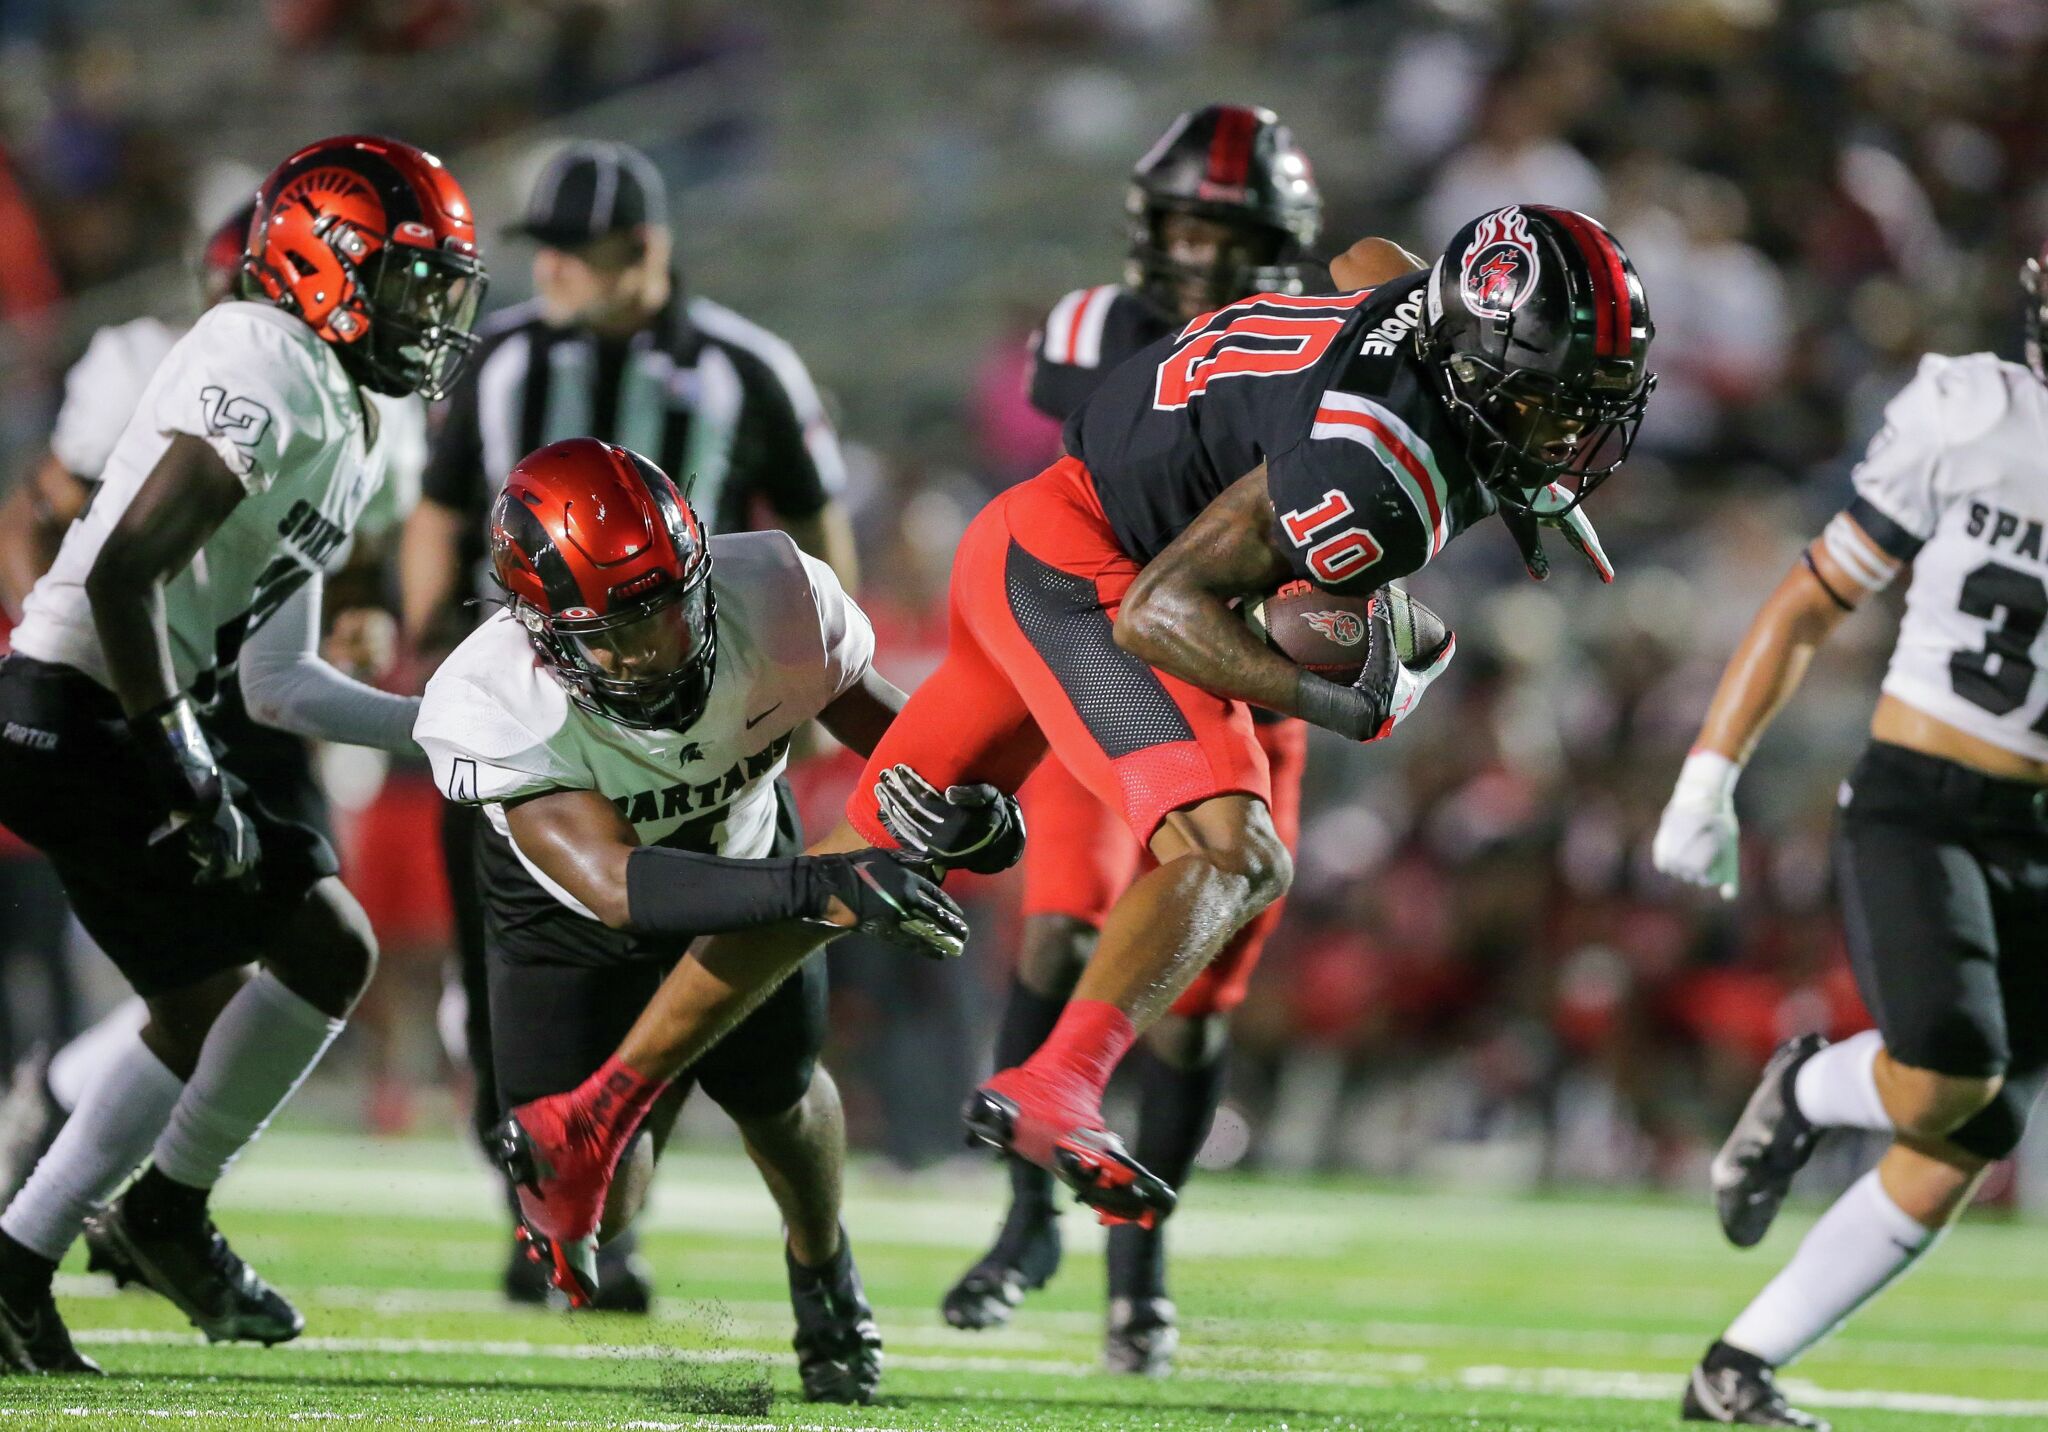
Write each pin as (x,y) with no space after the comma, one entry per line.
(1967,395)
(1072,334)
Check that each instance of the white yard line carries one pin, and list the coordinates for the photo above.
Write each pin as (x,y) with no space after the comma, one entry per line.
(1537,1381)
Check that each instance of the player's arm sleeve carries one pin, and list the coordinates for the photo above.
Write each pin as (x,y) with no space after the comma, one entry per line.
(247,391)
(99,398)
(1358,502)
(1897,499)
(286,684)
(483,755)
(1066,353)
(846,633)
(786,439)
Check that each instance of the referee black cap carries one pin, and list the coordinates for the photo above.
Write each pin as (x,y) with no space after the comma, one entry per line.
(590,190)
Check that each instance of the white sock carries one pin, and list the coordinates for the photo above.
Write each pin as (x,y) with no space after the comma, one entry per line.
(258,1052)
(108,1133)
(1837,1088)
(74,1067)
(1859,1245)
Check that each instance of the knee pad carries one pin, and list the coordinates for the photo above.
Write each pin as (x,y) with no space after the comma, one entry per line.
(1994,1131)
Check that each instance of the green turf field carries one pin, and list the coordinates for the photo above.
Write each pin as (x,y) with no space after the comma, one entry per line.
(1317,1306)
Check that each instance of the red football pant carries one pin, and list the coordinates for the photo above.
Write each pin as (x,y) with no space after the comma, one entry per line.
(1081,857)
(1031,665)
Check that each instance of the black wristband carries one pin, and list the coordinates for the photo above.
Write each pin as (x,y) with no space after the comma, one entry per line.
(684,893)
(176,757)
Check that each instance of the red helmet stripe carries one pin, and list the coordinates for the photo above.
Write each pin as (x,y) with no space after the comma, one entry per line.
(1230,147)
(1612,313)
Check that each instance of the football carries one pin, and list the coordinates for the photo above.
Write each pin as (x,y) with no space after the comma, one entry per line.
(1325,632)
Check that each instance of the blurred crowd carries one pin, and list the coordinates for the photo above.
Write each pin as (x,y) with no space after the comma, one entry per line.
(1478,974)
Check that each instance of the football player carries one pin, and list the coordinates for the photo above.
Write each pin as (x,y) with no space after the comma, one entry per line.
(1942,854)
(622,723)
(1339,440)
(253,452)
(1223,206)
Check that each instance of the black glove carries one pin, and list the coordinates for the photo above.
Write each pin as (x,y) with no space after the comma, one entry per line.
(972,828)
(1386,691)
(893,899)
(219,839)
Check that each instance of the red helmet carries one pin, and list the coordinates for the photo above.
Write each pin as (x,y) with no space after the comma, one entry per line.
(607,568)
(371,241)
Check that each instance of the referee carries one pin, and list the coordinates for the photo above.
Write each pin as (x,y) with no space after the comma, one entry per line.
(611,346)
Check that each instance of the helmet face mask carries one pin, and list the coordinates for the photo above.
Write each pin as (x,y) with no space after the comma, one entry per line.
(1228,180)
(425,303)
(1537,340)
(607,569)
(2034,316)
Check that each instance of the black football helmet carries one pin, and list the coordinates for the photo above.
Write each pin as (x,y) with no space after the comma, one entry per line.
(1239,166)
(1538,337)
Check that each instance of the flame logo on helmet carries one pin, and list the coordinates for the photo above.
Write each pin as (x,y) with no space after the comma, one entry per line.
(1499,268)
(1344,628)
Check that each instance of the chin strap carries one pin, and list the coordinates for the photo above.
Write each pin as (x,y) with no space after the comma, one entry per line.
(1552,508)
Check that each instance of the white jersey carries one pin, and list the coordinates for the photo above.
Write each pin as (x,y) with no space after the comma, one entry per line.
(275,403)
(497,725)
(103,390)
(1956,483)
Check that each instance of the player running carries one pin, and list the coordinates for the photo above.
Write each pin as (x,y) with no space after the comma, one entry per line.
(1942,855)
(1338,440)
(622,723)
(1223,206)
(247,465)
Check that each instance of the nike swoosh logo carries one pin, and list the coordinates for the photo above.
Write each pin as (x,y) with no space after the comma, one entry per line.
(753,721)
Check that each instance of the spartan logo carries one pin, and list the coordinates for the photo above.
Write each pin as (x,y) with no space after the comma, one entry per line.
(1344,628)
(1500,266)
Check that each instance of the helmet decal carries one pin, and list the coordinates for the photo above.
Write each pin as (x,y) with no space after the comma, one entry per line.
(1500,267)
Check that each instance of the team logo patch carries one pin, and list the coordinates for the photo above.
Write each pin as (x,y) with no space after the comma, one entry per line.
(1500,266)
(1344,628)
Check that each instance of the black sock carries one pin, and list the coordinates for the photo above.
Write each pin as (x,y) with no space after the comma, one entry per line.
(1722,1355)
(157,1202)
(1175,1109)
(24,1273)
(1028,1017)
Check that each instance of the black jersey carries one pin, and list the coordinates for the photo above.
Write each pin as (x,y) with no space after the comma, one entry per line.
(1088,333)
(1368,476)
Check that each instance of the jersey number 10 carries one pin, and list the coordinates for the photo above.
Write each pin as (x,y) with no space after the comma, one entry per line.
(1252,343)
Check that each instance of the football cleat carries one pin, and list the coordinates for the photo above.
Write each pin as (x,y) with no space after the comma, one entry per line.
(570,1264)
(1142,1336)
(625,1281)
(33,1338)
(102,1256)
(202,1277)
(1735,1388)
(1025,1255)
(562,1181)
(1770,1143)
(1091,1161)
(838,1348)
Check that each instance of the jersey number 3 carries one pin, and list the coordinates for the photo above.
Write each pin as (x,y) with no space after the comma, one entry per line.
(1999,676)
(1252,345)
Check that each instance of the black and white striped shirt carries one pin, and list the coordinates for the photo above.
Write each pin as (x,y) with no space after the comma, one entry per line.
(722,405)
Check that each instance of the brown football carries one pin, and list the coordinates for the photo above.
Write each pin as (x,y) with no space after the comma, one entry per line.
(1325,631)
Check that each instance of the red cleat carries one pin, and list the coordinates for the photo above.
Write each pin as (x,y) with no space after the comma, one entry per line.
(553,1155)
(1012,1113)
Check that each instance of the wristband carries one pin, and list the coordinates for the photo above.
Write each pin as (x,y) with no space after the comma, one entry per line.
(1708,777)
(176,756)
(1343,709)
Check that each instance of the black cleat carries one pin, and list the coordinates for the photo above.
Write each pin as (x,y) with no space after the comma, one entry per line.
(202,1277)
(33,1338)
(1770,1143)
(1734,1387)
(1023,1258)
(838,1348)
(1092,1162)
(1142,1337)
(625,1282)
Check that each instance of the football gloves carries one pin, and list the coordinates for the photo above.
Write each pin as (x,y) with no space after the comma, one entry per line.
(893,899)
(203,821)
(1697,839)
(973,828)
(1386,691)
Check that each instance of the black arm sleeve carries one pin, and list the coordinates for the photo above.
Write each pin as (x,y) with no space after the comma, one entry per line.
(684,893)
